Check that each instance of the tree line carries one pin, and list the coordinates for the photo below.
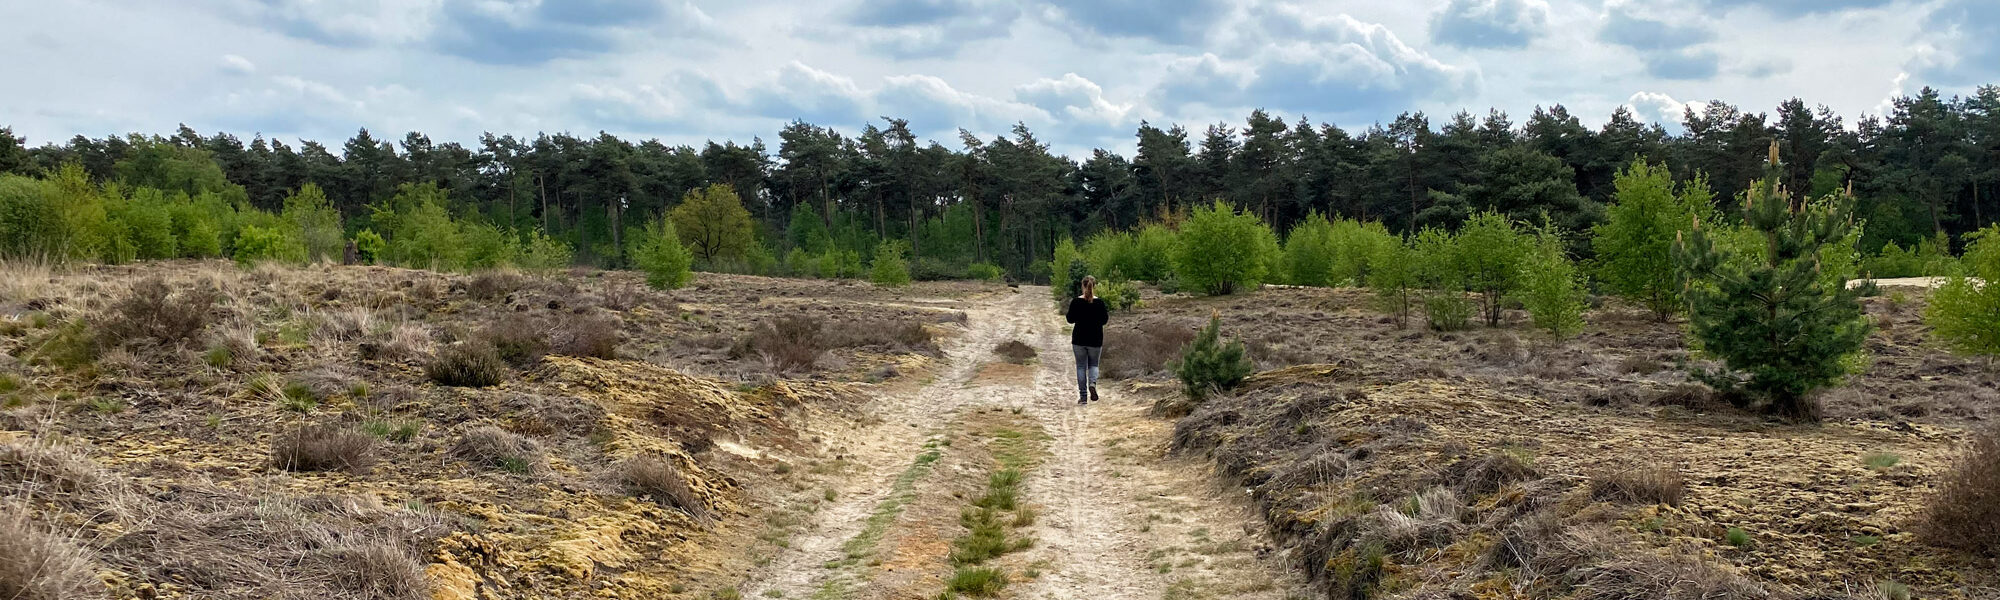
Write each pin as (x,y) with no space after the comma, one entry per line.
(1932,165)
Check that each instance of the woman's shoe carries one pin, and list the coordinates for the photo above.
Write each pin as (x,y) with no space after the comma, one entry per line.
(1093,393)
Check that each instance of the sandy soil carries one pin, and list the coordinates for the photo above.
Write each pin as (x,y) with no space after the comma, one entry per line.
(1117,521)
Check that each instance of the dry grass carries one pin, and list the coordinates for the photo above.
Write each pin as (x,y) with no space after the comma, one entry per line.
(1965,513)
(323,447)
(377,569)
(658,479)
(43,470)
(498,448)
(1646,485)
(1130,353)
(38,565)
(1646,576)
(22,280)
(1483,475)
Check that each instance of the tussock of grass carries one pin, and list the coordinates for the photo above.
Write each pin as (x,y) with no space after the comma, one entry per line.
(976,581)
(658,479)
(498,448)
(323,447)
(38,565)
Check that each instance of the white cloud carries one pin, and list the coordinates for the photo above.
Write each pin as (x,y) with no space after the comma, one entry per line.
(238,65)
(1080,75)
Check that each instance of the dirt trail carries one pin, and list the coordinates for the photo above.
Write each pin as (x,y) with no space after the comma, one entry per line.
(1119,521)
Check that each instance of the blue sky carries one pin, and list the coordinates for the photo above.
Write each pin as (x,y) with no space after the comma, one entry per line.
(1081,74)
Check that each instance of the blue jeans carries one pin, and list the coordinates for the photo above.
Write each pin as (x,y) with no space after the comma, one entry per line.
(1086,367)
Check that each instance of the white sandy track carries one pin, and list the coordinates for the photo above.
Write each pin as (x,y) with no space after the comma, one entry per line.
(1108,522)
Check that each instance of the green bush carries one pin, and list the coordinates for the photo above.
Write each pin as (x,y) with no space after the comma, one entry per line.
(798,262)
(1634,244)
(486,247)
(1438,273)
(1063,268)
(1778,324)
(145,223)
(369,246)
(1113,252)
(1964,313)
(1207,365)
(316,223)
(1490,252)
(658,252)
(839,264)
(1154,245)
(1118,294)
(1393,279)
(255,244)
(1310,252)
(420,232)
(1223,251)
(986,272)
(1930,258)
(1551,287)
(543,254)
(889,268)
(1357,251)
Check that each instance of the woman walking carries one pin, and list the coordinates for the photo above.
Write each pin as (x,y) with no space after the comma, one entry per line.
(1089,314)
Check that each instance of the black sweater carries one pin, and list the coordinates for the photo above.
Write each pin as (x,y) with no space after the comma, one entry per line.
(1089,317)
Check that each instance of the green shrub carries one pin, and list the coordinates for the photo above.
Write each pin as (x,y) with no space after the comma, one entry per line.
(986,272)
(316,223)
(420,231)
(145,224)
(658,252)
(1154,245)
(839,264)
(1780,327)
(1438,273)
(1063,268)
(1223,251)
(801,263)
(713,224)
(1119,294)
(256,244)
(1551,288)
(1207,366)
(1311,252)
(543,254)
(486,247)
(1490,253)
(889,268)
(1634,244)
(369,247)
(1964,313)
(1393,279)
(1359,250)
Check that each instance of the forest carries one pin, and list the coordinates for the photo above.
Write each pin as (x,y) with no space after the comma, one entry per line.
(1930,166)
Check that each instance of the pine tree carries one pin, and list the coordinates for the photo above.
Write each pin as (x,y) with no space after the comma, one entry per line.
(1780,330)
(1207,365)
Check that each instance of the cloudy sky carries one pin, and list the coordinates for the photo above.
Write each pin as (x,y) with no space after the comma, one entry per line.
(1082,74)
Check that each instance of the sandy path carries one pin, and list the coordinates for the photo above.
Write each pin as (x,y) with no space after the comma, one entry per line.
(1119,521)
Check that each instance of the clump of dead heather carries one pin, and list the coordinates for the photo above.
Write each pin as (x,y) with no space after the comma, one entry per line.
(1965,513)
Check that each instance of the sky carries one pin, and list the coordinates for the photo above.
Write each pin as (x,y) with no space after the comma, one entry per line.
(1080,74)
